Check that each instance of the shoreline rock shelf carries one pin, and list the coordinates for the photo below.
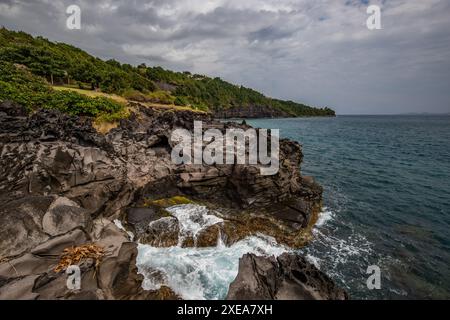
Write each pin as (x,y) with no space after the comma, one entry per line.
(287,277)
(63,184)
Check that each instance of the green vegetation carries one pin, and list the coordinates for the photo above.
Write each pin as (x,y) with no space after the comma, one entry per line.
(169,202)
(19,85)
(158,96)
(62,64)
(93,94)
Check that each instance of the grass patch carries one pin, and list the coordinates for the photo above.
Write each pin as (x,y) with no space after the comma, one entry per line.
(93,94)
(158,100)
(169,202)
(104,127)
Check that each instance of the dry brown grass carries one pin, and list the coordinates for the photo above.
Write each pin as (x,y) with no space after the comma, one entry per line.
(104,127)
(75,255)
(93,94)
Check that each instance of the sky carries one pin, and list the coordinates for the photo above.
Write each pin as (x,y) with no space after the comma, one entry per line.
(313,51)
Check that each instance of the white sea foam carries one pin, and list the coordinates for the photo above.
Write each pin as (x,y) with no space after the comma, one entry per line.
(199,273)
(119,225)
(334,254)
(314,260)
(193,218)
(324,218)
(342,248)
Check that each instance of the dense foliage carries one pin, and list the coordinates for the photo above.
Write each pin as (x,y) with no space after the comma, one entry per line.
(59,63)
(17,84)
(64,64)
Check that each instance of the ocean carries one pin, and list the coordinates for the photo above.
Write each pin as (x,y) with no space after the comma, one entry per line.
(386,186)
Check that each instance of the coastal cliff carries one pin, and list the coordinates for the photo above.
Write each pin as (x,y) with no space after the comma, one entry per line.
(64,185)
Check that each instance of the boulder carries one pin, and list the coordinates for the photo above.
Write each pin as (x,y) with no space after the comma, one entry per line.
(55,246)
(163,232)
(19,289)
(21,224)
(209,236)
(138,219)
(288,277)
(118,277)
(64,215)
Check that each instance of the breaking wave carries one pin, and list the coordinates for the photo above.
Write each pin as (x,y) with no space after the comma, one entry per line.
(199,273)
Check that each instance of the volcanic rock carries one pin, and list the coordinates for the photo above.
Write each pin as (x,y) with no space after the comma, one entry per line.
(288,277)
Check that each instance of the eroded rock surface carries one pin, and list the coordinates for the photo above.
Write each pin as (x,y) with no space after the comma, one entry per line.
(62,184)
(163,232)
(288,277)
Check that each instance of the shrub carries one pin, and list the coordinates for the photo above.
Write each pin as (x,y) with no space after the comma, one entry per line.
(160,96)
(80,105)
(32,92)
(181,101)
(134,95)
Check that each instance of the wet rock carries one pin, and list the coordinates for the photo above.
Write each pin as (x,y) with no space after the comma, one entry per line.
(288,277)
(237,228)
(188,242)
(162,233)
(138,219)
(118,276)
(209,236)
(163,293)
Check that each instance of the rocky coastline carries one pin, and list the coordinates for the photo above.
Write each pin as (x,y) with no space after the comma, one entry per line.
(64,185)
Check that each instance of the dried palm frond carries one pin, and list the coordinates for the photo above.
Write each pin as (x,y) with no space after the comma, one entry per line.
(75,255)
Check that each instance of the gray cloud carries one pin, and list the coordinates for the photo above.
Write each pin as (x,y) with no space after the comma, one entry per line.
(314,51)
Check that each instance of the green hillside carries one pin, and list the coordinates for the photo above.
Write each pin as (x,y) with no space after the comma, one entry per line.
(63,64)
(19,85)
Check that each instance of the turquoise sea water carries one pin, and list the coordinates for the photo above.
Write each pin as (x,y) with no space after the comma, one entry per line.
(387,198)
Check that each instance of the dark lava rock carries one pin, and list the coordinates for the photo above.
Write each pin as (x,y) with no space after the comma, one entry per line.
(138,219)
(163,232)
(289,277)
(62,184)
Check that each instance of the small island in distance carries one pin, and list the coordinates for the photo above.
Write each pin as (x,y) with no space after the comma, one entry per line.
(39,73)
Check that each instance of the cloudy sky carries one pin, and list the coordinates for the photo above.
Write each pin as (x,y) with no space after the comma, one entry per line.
(315,51)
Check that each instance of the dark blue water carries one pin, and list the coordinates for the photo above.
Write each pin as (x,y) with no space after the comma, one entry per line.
(387,194)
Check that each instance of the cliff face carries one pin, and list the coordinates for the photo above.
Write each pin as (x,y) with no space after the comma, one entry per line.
(62,184)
